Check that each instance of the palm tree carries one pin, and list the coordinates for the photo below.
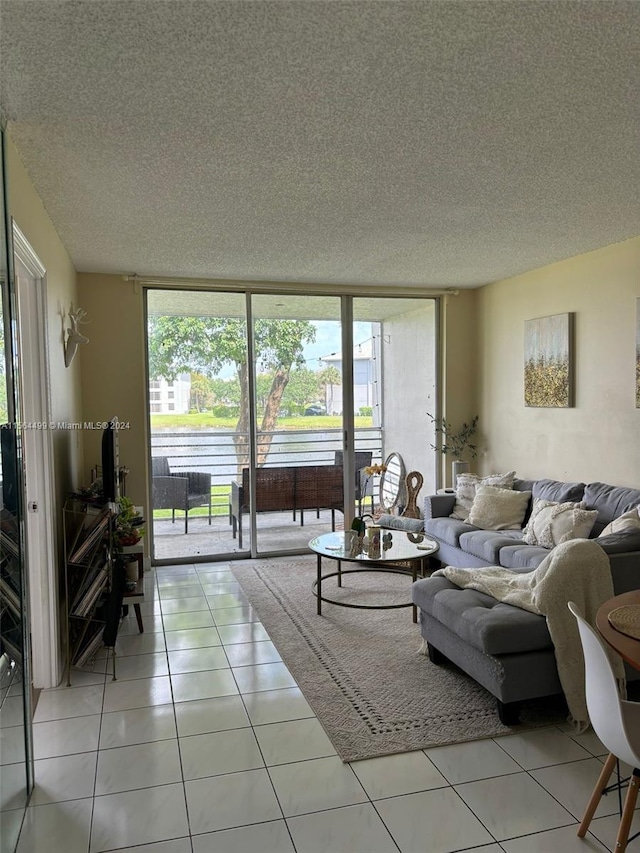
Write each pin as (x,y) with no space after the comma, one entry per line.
(329,377)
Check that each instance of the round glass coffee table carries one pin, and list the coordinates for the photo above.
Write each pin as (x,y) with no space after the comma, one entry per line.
(412,549)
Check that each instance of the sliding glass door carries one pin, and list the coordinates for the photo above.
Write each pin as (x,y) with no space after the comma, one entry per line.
(199,422)
(298,474)
(267,412)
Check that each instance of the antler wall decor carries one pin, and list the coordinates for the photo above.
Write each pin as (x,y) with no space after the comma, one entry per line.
(74,337)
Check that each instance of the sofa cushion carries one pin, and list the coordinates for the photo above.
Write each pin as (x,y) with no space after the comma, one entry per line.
(556,490)
(522,557)
(627,521)
(610,501)
(466,485)
(488,625)
(494,508)
(446,529)
(553,523)
(485,544)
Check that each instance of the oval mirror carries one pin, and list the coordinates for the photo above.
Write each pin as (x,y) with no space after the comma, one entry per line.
(392,481)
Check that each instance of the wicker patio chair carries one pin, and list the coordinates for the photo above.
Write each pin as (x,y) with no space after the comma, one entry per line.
(181,491)
(363,483)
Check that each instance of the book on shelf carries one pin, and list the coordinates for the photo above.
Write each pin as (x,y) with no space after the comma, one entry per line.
(85,544)
(89,645)
(81,578)
(90,592)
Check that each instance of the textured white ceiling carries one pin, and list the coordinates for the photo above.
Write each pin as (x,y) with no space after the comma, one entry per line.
(410,143)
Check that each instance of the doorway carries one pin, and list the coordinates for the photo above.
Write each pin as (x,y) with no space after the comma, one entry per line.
(41,511)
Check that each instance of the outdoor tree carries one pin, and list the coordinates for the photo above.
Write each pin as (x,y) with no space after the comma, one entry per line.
(303,388)
(206,344)
(263,389)
(330,377)
(226,392)
(201,392)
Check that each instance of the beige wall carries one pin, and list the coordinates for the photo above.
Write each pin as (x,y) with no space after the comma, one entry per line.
(27,210)
(459,366)
(113,373)
(599,438)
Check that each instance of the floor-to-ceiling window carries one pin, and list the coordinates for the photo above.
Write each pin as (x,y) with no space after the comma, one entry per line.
(265,409)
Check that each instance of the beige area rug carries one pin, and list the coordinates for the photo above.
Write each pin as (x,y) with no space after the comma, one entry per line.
(361,670)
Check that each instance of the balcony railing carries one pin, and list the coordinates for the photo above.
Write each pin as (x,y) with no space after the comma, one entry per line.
(214,452)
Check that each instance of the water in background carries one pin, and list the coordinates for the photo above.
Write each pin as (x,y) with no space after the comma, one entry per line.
(212,451)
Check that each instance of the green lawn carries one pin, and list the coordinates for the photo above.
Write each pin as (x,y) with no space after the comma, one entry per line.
(202,420)
(219,505)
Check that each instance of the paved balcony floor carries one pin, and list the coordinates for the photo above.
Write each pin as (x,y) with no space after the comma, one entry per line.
(277,531)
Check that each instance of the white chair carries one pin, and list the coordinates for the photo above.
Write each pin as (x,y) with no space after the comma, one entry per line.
(616,722)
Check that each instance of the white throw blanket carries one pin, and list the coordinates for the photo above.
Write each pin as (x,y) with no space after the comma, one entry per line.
(578,571)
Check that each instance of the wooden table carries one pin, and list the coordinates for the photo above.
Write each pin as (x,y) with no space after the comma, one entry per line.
(627,647)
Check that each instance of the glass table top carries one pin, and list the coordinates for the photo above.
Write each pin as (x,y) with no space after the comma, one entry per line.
(395,545)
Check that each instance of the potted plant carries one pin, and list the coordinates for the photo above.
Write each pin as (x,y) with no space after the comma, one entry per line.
(456,443)
(128,529)
(128,524)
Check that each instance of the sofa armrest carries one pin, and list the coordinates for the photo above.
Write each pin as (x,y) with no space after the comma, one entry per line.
(620,543)
(438,506)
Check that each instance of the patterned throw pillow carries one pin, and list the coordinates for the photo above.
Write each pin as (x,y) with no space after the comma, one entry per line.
(552,523)
(629,521)
(498,509)
(466,490)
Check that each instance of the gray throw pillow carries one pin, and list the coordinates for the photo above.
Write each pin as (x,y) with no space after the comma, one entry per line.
(398,522)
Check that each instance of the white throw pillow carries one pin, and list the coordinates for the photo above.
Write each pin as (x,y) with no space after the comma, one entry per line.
(467,484)
(629,521)
(552,523)
(498,509)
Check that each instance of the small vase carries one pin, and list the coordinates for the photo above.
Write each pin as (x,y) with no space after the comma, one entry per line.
(131,571)
(458,467)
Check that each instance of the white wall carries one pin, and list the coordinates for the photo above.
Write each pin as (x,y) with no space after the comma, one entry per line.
(409,376)
(599,438)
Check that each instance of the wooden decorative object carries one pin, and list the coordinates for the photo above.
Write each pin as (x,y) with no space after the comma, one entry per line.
(414,482)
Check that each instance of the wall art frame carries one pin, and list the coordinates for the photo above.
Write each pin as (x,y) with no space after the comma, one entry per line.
(549,361)
(638,353)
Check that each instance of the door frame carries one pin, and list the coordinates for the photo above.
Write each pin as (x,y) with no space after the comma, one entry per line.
(40,522)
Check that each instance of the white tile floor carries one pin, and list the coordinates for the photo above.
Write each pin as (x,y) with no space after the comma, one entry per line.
(206,745)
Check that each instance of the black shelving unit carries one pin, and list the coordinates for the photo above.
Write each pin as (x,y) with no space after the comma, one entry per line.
(93,583)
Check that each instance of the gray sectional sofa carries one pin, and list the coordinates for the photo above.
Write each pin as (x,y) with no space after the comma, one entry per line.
(504,648)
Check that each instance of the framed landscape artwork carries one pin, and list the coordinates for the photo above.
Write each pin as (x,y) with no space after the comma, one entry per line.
(548,361)
(637,353)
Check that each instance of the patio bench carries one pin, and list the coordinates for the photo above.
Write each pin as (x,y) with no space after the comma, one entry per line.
(288,488)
